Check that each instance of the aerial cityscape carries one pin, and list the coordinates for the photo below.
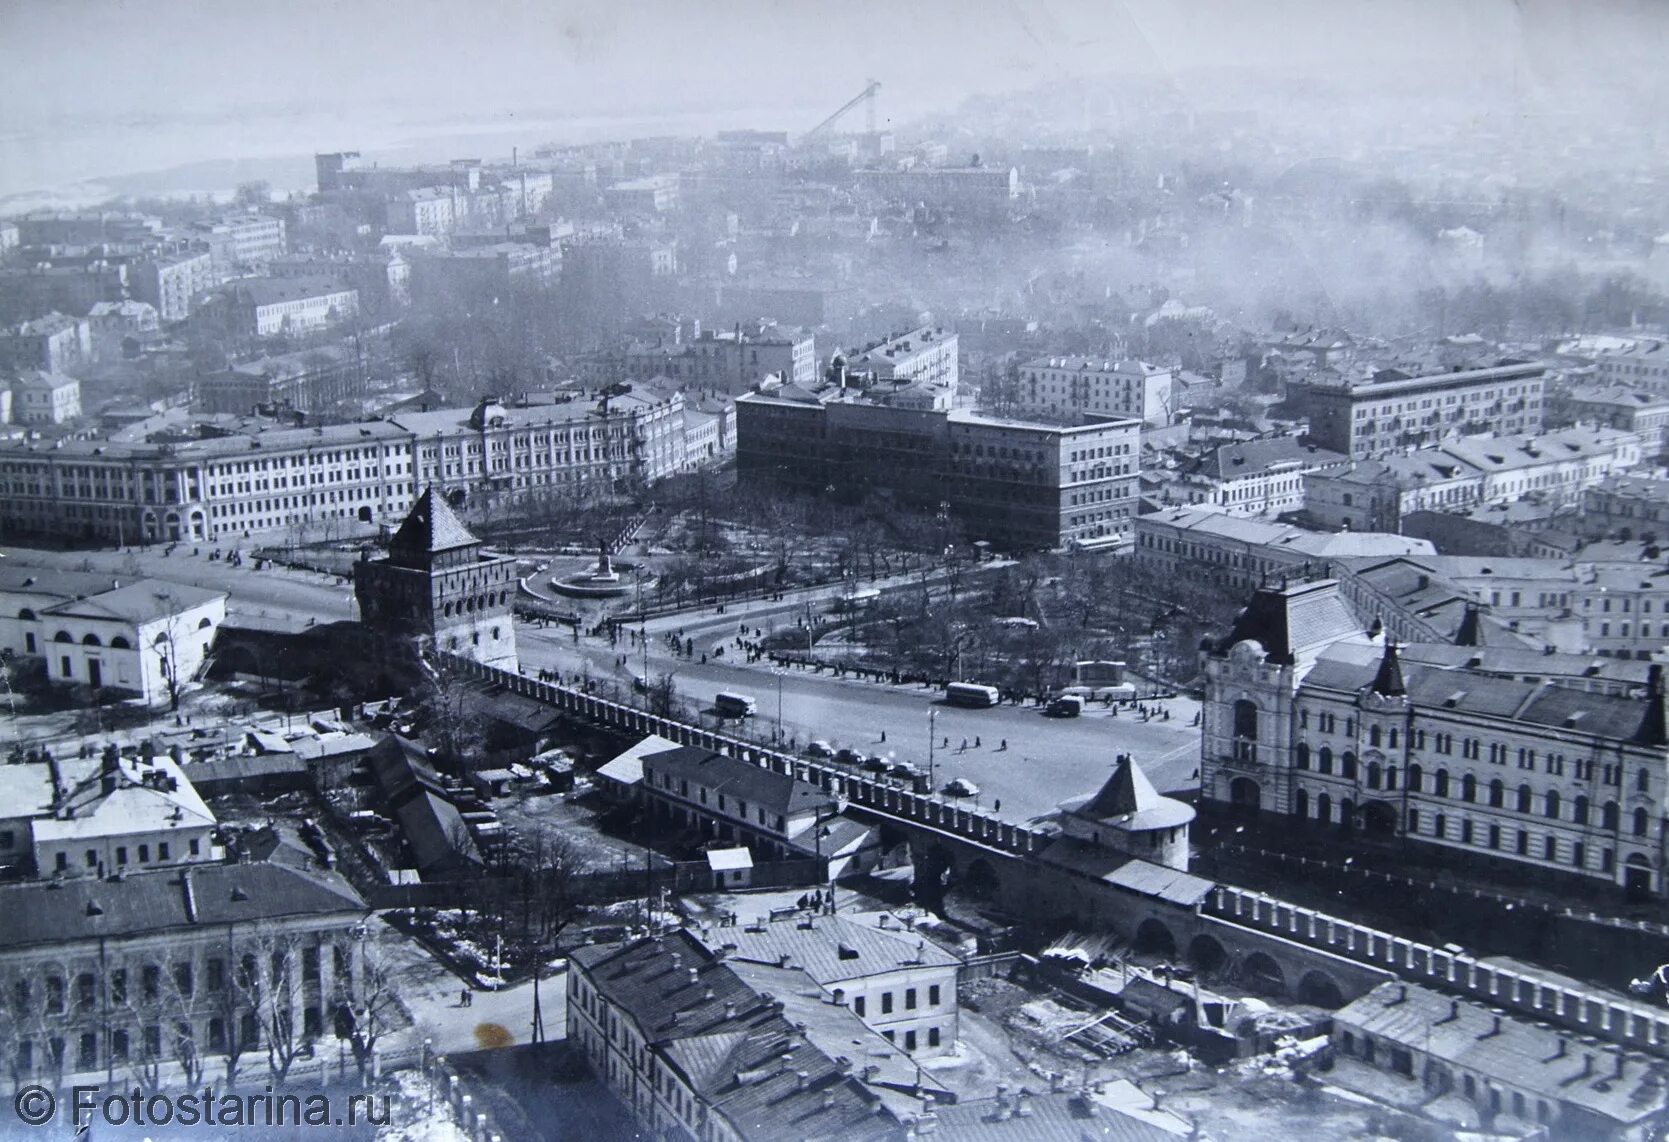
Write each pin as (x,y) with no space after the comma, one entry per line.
(1015,571)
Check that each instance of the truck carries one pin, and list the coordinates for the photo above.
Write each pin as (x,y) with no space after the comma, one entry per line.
(1065,706)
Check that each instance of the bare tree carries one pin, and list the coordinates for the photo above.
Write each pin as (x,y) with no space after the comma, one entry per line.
(367,1003)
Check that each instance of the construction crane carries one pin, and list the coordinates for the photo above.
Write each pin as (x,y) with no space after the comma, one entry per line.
(867,95)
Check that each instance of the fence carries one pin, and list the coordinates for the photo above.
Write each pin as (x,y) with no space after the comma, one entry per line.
(1611,1017)
(599,886)
(965,822)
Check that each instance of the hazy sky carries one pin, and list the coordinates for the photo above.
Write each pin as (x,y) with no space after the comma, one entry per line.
(161,63)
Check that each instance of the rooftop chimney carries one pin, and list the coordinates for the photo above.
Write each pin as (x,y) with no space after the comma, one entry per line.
(802,1080)
(695,976)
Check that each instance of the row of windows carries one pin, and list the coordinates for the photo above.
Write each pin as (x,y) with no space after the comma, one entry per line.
(164,854)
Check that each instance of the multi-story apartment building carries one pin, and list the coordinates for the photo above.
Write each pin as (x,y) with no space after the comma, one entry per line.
(382,279)
(1393,413)
(208,488)
(438,587)
(201,963)
(30,291)
(1609,608)
(1018,483)
(169,280)
(730,362)
(1552,762)
(54,343)
(1230,550)
(484,272)
(1254,477)
(1646,414)
(223,486)
(45,398)
(694,1046)
(86,228)
(1469,472)
(1040,486)
(925,356)
(494,450)
(653,194)
(1640,503)
(1079,387)
(425,210)
(900,984)
(1643,365)
(241,242)
(310,380)
(267,307)
(971,190)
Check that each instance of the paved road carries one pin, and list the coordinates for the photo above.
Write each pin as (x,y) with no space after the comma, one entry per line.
(277,598)
(1047,761)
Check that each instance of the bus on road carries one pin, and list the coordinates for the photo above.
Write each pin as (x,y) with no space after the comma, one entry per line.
(735,705)
(971,694)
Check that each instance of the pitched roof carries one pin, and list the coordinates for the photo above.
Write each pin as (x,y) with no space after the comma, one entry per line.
(835,948)
(1129,801)
(431,527)
(1286,621)
(1388,681)
(147,600)
(147,903)
(777,793)
(1619,1085)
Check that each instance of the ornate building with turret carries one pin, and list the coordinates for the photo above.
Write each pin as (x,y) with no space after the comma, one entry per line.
(439,589)
(1501,754)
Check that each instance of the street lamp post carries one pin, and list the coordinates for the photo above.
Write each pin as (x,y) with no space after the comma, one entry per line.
(778,673)
(932,733)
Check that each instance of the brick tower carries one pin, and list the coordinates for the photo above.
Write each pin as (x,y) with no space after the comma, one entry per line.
(438,588)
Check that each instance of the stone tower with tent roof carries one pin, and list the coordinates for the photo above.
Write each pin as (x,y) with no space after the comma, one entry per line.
(1128,815)
(437,588)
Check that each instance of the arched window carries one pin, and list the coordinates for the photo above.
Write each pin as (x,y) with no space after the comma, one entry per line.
(26,615)
(1391,737)
(1468,788)
(1374,736)
(1246,719)
(1301,804)
(1347,765)
(1550,806)
(1497,794)
(203,624)
(1326,758)
(1390,777)
(90,640)
(62,636)
(1440,785)
(1323,807)
(1610,817)
(1579,811)
(1416,779)
(1524,797)
(1440,827)
(120,642)
(1641,820)
(1303,755)
(1374,775)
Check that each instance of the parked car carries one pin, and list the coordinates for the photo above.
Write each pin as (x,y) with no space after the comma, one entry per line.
(903,769)
(961,787)
(820,749)
(848,756)
(875,763)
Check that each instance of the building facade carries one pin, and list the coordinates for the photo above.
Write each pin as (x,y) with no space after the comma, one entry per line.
(1078,387)
(1395,413)
(439,589)
(1559,766)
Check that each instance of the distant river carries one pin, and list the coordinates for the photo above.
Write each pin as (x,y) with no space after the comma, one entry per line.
(79,163)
